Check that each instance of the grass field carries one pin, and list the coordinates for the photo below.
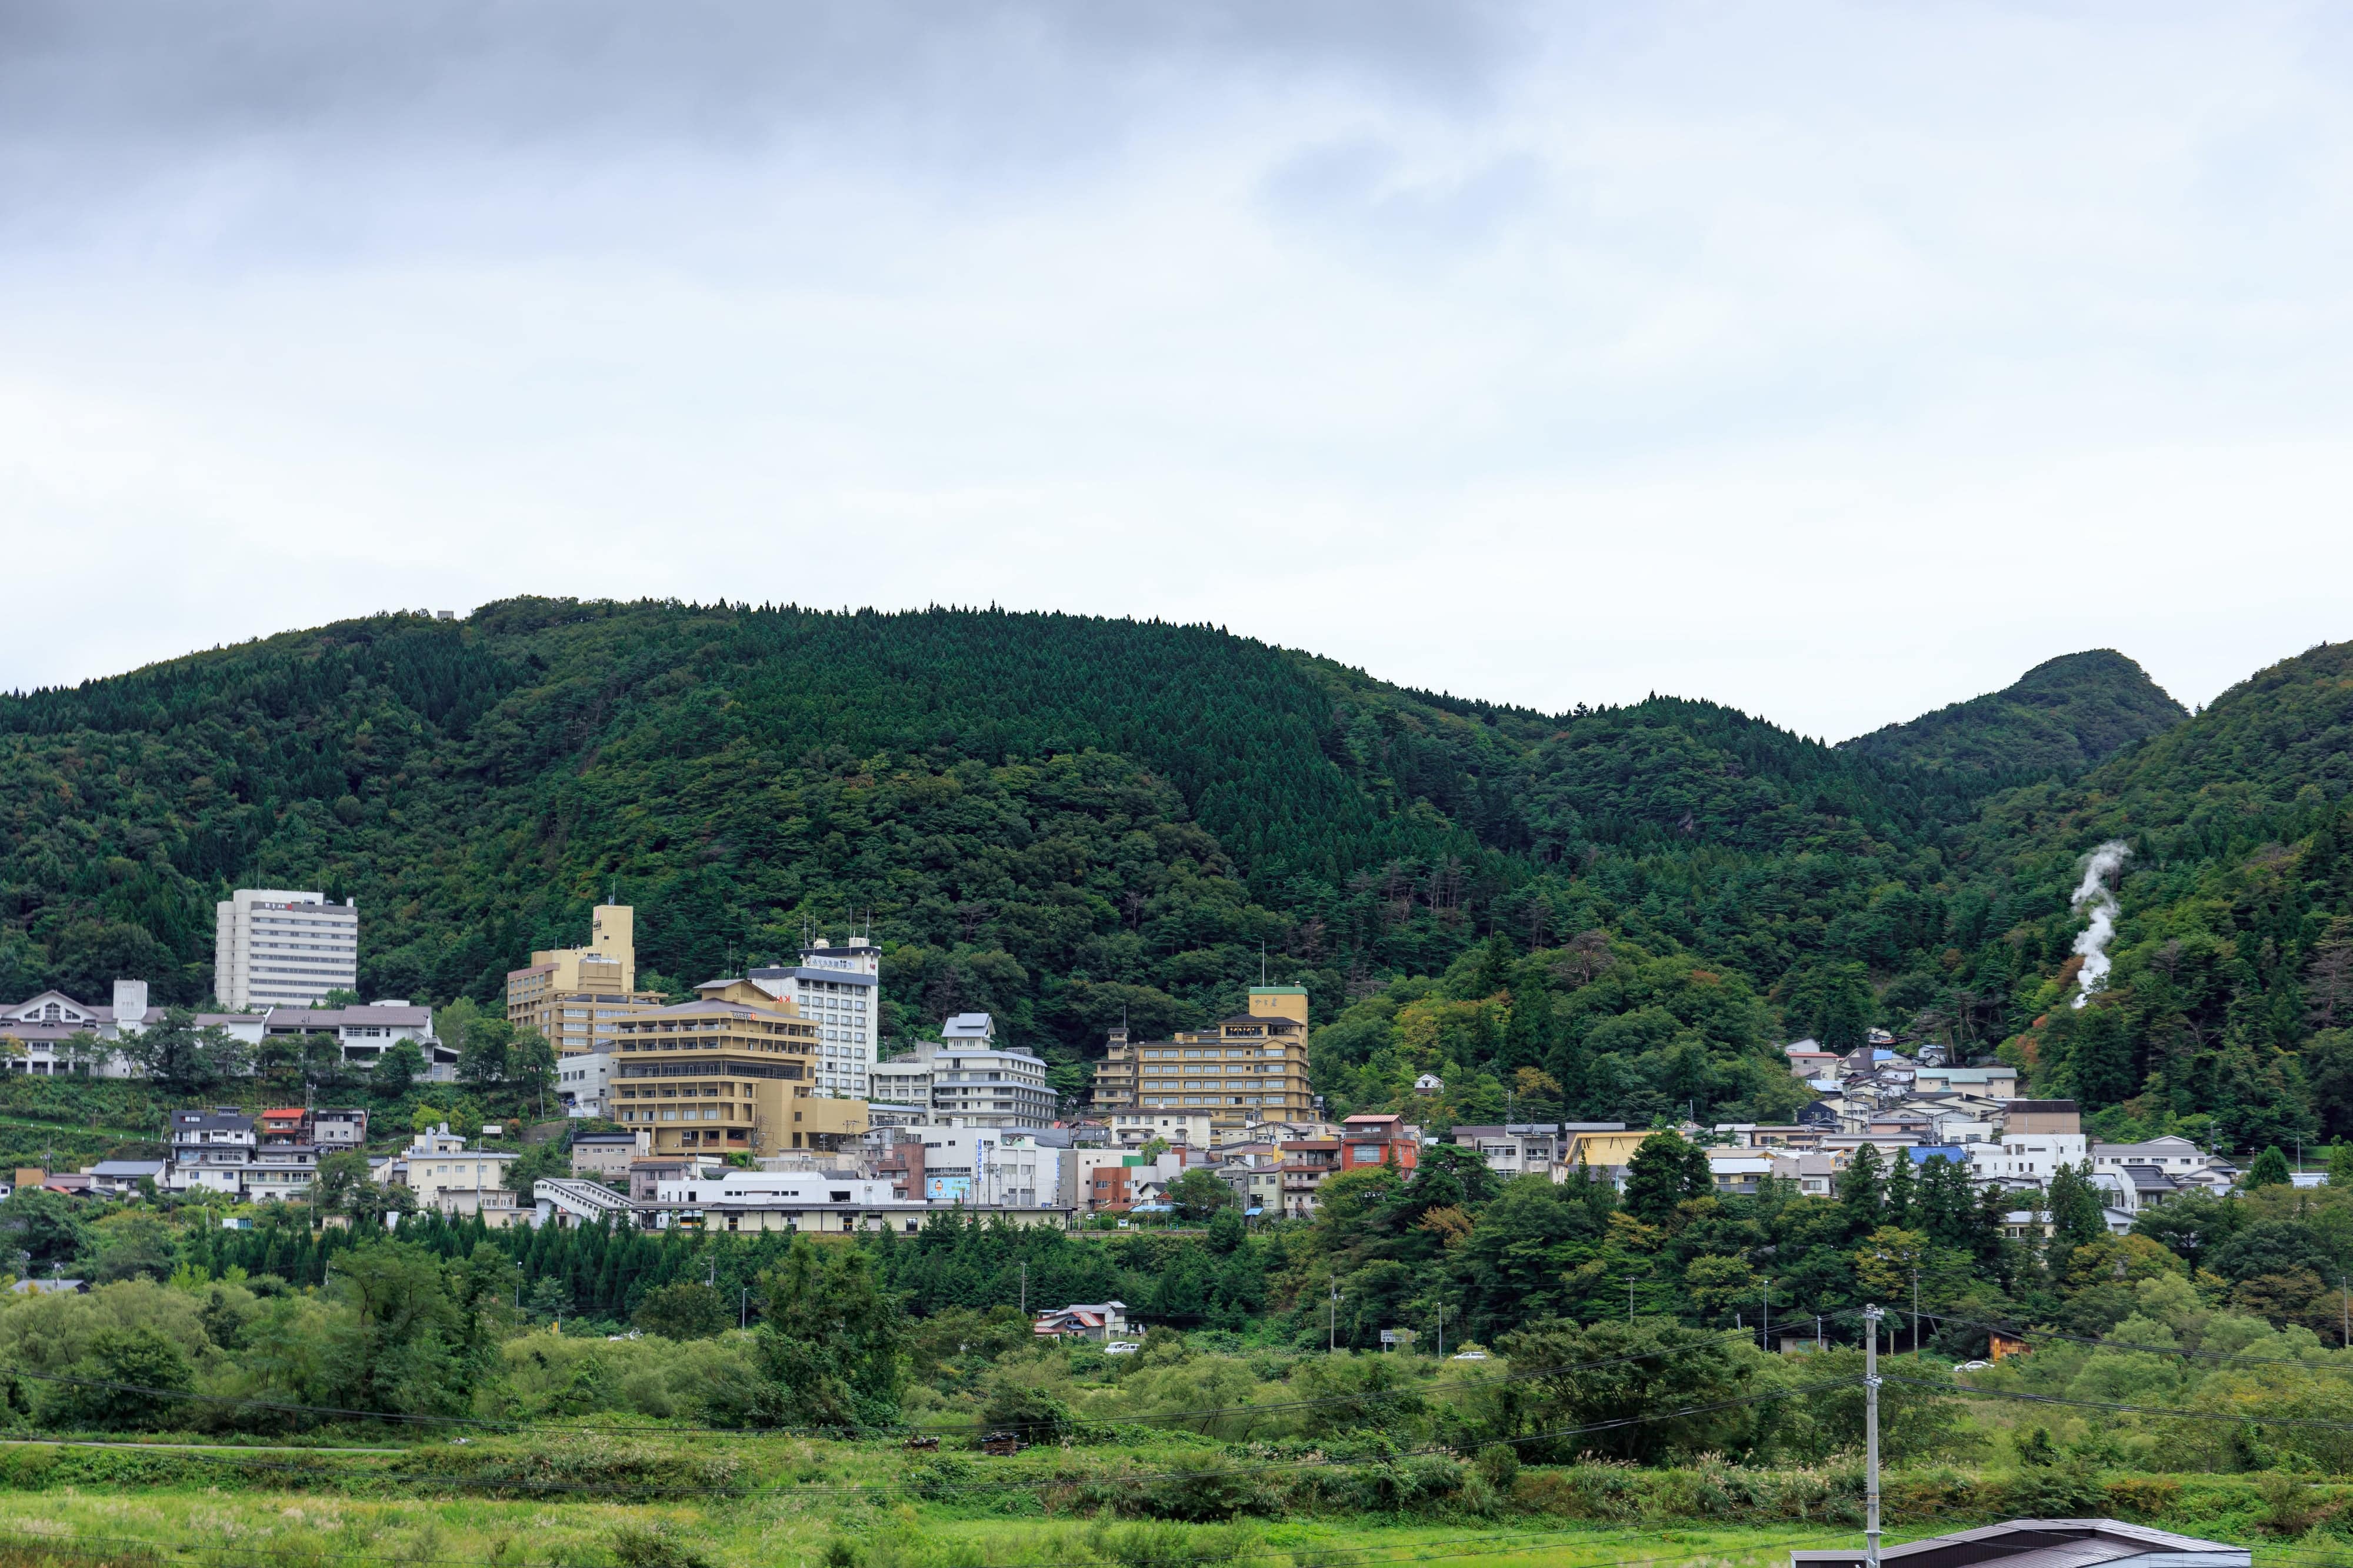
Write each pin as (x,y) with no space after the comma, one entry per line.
(674,1501)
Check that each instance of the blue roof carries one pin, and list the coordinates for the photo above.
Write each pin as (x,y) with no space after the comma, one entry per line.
(1922,1155)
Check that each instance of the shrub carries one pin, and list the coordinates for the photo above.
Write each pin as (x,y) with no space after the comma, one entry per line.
(654,1546)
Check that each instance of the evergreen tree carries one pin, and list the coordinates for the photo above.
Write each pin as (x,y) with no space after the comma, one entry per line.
(1663,1171)
(2269,1170)
(2077,1215)
(2101,1059)
(1862,1191)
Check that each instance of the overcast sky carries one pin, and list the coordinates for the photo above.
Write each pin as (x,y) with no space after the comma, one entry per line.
(1833,362)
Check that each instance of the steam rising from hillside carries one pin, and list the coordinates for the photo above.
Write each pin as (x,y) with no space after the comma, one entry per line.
(2092,893)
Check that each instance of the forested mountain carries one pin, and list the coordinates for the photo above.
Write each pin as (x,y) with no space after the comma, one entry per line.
(1607,912)
(2062,716)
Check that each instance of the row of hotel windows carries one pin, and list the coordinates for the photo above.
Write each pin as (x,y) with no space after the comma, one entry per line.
(1214,1100)
(1193,1054)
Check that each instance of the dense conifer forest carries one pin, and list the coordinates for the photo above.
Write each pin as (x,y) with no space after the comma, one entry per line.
(1614,911)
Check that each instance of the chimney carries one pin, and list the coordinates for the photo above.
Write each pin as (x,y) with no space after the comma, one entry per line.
(130,1004)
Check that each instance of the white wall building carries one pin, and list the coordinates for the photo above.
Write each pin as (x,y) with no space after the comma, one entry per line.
(276,948)
(969,1083)
(840,989)
(2024,1156)
(584,1082)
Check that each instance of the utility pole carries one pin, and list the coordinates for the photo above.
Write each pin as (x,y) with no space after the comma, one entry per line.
(1915,1311)
(1767,1331)
(1441,1330)
(1629,1298)
(744,1307)
(1025,1286)
(1332,1322)
(1871,1316)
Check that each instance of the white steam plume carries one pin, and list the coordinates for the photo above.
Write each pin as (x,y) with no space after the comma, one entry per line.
(2092,893)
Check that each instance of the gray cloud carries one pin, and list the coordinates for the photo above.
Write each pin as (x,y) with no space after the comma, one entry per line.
(173,77)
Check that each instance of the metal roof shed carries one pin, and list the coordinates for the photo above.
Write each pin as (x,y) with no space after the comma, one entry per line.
(2045,1543)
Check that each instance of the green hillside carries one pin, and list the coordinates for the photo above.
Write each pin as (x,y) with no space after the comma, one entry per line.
(2062,716)
(1618,912)
(1055,817)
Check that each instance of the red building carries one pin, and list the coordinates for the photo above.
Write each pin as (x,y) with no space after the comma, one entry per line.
(1378,1138)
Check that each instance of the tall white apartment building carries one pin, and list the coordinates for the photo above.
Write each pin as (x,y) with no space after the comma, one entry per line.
(274,948)
(840,990)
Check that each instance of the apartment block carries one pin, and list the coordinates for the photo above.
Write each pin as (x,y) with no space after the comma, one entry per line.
(1244,1069)
(277,947)
(578,997)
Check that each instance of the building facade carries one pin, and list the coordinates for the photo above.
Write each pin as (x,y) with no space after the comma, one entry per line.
(365,1032)
(1245,1069)
(731,1071)
(839,989)
(277,947)
(578,997)
(971,1082)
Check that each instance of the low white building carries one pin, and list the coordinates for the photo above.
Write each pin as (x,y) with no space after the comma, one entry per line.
(1135,1129)
(2033,1157)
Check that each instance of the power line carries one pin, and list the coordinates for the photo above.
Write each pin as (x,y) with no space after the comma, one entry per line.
(1964,1391)
(2235,1357)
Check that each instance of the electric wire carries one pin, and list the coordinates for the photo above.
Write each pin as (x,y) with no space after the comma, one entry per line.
(1963,1391)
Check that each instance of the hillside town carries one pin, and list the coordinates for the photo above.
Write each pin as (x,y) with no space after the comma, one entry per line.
(763,1103)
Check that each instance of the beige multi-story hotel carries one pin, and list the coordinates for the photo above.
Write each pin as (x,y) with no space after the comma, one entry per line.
(1247,1069)
(578,997)
(733,1071)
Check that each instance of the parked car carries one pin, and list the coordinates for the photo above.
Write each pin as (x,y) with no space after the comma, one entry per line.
(1122,1347)
(1468,1355)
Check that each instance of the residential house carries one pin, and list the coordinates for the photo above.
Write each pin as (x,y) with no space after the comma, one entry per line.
(454,1181)
(1816,1175)
(120,1178)
(1993,1082)
(1736,1172)
(1098,1321)
(1380,1138)
(1306,1163)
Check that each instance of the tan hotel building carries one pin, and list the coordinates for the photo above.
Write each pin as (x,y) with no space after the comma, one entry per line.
(733,1071)
(576,996)
(1247,1069)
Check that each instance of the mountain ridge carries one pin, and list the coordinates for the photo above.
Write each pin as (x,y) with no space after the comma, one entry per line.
(1066,820)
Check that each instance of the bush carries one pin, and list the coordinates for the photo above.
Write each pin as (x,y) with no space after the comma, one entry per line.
(654,1546)
(1499,1465)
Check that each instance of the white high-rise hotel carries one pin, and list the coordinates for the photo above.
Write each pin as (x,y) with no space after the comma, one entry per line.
(841,989)
(272,948)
